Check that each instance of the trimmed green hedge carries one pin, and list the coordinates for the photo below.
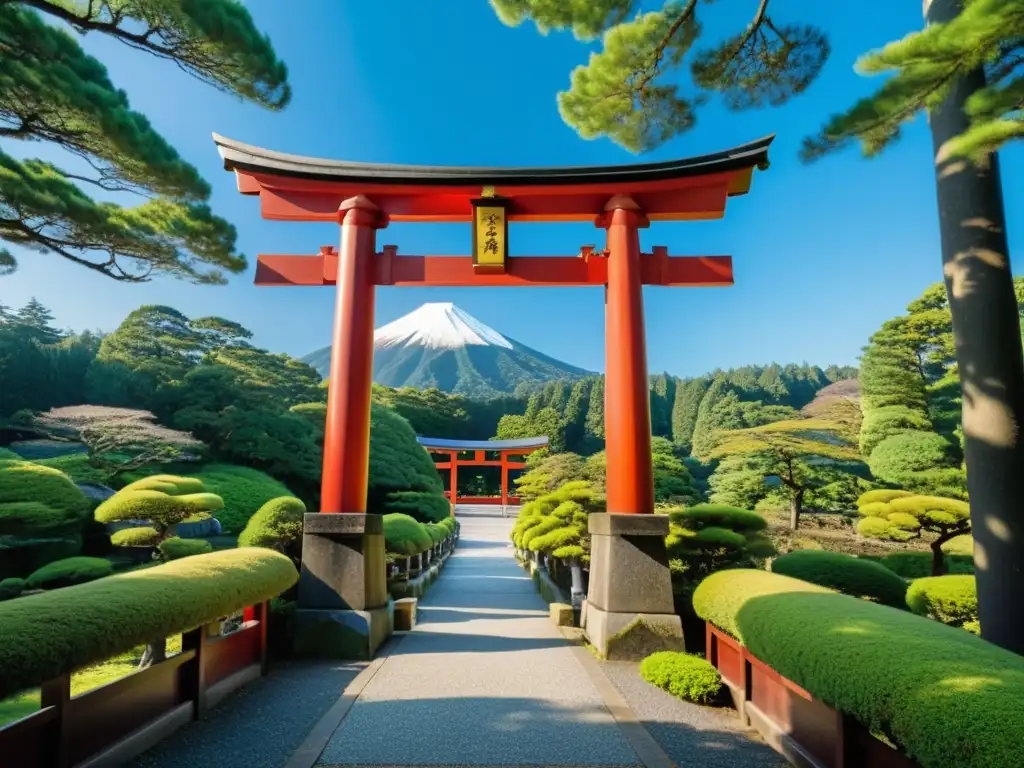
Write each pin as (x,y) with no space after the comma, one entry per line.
(176,548)
(78,468)
(845,573)
(69,572)
(113,615)
(952,600)
(688,677)
(948,698)
(278,523)
(405,536)
(721,606)
(437,532)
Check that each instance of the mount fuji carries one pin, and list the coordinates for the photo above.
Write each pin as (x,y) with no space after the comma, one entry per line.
(439,345)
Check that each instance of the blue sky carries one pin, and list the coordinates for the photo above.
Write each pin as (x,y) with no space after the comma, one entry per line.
(822,254)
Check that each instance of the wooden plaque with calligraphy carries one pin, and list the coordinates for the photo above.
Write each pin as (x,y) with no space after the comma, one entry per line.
(490,234)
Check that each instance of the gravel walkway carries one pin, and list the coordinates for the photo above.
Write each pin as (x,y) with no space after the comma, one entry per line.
(691,735)
(485,679)
(261,724)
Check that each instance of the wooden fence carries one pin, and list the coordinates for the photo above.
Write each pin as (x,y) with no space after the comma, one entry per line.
(805,730)
(112,723)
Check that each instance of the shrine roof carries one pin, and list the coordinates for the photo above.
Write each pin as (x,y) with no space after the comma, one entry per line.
(248,158)
(481,445)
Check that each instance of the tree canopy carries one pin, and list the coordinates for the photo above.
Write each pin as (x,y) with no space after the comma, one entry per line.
(630,92)
(52,91)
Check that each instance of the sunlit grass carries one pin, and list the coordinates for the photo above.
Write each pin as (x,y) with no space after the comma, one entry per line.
(25,703)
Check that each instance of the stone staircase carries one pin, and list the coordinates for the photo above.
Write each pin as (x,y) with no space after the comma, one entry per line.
(486,510)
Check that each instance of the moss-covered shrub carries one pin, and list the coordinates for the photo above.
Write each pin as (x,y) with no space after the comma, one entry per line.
(243,490)
(276,525)
(425,506)
(845,573)
(110,616)
(683,675)
(78,467)
(176,548)
(946,697)
(448,524)
(10,588)
(42,515)
(405,536)
(706,537)
(952,600)
(69,572)
(436,532)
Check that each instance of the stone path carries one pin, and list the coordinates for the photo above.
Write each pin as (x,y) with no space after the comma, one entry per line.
(485,678)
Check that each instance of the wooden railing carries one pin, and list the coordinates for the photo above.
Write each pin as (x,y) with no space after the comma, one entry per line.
(791,720)
(125,717)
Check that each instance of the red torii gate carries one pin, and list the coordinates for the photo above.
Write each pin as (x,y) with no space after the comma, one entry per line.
(505,449)
(342,570)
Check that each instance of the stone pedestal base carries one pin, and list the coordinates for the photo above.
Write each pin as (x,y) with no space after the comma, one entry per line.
(342,634)
(344,609)
(630,612)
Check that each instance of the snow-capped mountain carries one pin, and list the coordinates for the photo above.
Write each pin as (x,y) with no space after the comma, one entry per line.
(439,345)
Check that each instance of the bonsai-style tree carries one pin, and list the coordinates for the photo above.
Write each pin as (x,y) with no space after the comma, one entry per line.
(276,525)
(708,537)
(547,474)
(561,530)
(119,439)
(162,501)
(902,516)
(803,453)
(42,515)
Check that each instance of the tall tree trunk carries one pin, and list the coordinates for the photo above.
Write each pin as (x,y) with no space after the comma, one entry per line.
(986,329)
(796,506)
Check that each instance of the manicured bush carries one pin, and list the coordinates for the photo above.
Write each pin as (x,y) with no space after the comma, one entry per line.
(78,467)
(946,697)
(425,506)
(683,675)
(276,525)
(397,461)
(7,453)
(437,533)
(952,600)
(243,490)
(706,537)
(11,587)
(69,572)
(405,536)
(142,536)
(42,516)
(960,545)
(110,616)
(176,548)
(449,524)
(845,573)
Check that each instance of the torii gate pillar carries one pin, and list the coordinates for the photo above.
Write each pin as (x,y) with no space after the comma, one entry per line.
(629,611)
(343,594)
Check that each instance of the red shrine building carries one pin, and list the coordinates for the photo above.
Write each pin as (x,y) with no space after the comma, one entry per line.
(342,588)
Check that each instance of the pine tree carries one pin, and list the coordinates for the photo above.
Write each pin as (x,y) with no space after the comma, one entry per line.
(663,389)
(629,91)
(963,69)
(798,452)
(576,415)
(684,411)
(37,322)
(595,413)
(51,90)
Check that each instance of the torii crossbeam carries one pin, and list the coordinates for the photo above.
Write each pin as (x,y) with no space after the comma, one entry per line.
(620,199)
